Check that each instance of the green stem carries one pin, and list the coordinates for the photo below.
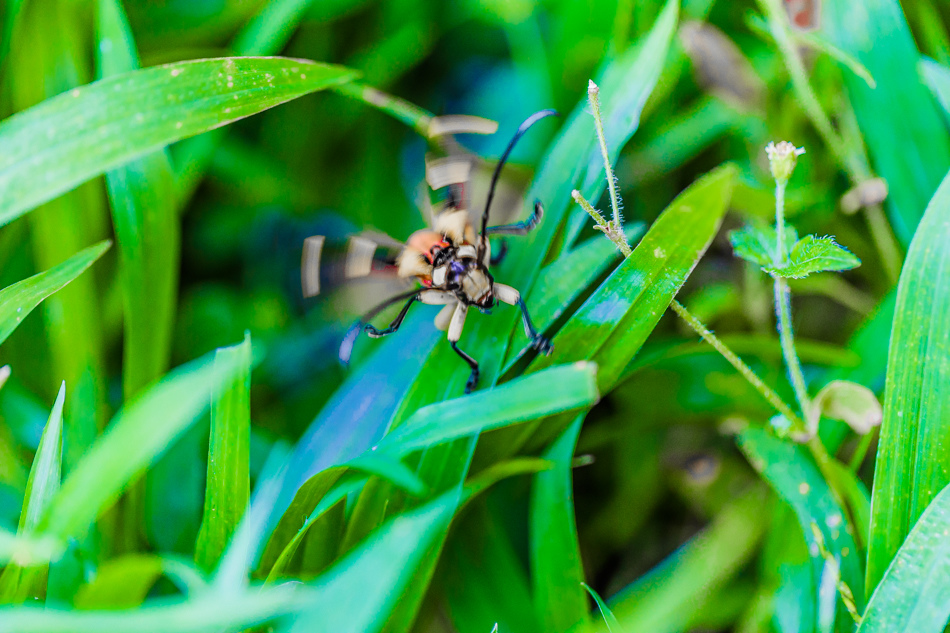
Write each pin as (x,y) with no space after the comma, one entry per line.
(884,240)
(615,236)
(861,451)
(783,310)
(781,253)
(767,392)
(593,95)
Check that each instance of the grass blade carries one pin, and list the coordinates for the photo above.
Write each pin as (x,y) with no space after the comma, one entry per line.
(17,582)
(68,139)
(796,478)
(613,626)
(669,596)
(913,447)
(142,197)
(937,77)
(907,142)
(556,569)
(121,583)
(914,593)
(358,593)
(18,300)
(136,436)
(228,485)
(615,321)
(563,388)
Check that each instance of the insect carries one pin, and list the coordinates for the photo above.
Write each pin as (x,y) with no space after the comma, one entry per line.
(449,260)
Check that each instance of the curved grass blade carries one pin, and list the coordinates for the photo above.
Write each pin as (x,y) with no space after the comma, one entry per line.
(937,77)
(228,486)
(613,626)
(18,300)
(907,142)
(68,139)
(914,445)
(142,198)
(121,583)
(670,596)
(914,593)
(17,582)
(798,481)
(136,437)
(559,389)
(358,593)
(556,570)
(615,321)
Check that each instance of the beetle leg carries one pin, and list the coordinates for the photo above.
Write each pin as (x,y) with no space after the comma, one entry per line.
(346,346)
(374,333)
(497,258)
(455,333)
(519,228)
(511,296)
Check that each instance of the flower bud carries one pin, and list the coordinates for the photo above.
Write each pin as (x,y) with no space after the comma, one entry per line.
(782,159)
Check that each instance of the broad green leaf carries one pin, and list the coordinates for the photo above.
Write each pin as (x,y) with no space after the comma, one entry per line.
(556,570)
(907,142)
(914,592)
(814,255)
(615,321)
(938,79)
(914,447)
(848,402)
(121,583)
(142,198)
(796,478)
(137,435)
(18,583)
(228,486)
(758,244)
(68,139)
(559,389)
(667,598)
(18,300)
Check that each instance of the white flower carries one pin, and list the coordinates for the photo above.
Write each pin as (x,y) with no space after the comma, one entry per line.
(782,159)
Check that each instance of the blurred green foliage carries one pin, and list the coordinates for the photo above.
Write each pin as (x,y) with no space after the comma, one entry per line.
(654,476)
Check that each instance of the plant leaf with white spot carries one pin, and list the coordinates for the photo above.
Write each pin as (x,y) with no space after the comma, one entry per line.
(64,141)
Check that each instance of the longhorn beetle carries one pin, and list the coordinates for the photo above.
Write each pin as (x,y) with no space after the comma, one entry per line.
(449,260)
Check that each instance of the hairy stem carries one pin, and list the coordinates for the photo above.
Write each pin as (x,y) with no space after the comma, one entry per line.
(767,392)
(593,95)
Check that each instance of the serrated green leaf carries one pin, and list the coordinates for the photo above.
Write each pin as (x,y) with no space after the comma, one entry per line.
(136,436)
(68,139)
(907,142)
(758,244)
(556,570)
(814,255)
(914,592)
(796,478)
(913,449)
(615,321)
(18,300)
(228,486)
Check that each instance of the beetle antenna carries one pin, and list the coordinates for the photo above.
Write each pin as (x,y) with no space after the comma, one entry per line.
(524,127)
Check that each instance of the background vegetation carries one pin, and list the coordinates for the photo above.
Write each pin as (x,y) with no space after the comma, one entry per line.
(180,449)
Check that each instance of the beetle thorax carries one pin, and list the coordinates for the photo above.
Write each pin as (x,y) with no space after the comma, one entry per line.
(458,271)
